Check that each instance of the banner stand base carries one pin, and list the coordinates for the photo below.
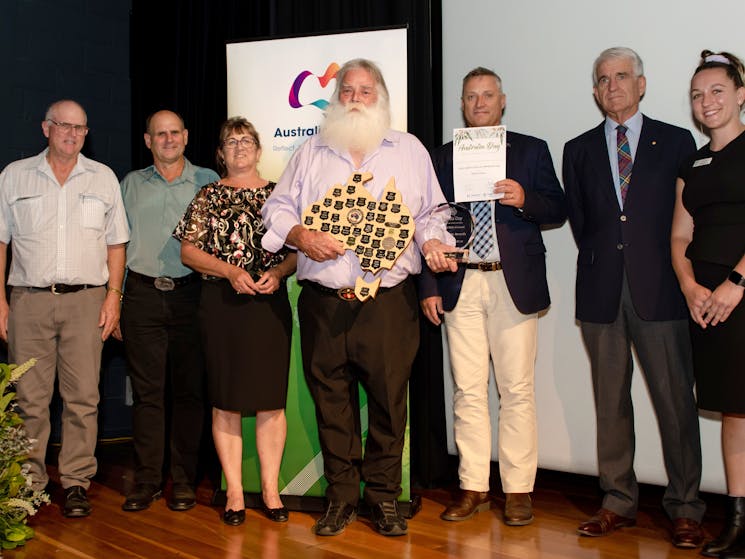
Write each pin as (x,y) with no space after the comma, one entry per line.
(315,504)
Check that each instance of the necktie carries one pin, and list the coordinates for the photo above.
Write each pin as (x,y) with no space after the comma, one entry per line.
(482,238)
(624,160)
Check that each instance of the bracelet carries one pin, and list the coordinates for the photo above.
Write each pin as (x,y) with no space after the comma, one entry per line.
(736,278)
(119,291)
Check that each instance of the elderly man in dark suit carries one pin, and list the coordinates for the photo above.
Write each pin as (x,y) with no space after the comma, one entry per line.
(490,308)
(620,184)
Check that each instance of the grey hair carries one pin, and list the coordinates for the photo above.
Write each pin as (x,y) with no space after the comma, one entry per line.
(49,115)
(364,64)
(618,52)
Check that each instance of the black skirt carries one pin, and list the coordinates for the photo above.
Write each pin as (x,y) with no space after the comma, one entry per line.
(719,351)
(246,341)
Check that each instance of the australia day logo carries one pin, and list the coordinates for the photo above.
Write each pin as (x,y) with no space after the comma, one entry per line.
(323,80)
(297,133)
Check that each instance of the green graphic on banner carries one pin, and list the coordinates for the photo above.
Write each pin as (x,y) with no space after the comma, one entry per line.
(301,472)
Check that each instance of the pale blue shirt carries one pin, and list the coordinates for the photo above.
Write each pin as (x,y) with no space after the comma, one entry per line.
(634,125)
(316,167)
(60,233)
(154,207)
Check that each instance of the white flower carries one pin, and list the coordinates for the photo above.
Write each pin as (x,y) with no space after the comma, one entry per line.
(21,504)
(20,370)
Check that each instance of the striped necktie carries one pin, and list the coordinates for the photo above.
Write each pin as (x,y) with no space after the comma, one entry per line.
(624,161)
(482,239)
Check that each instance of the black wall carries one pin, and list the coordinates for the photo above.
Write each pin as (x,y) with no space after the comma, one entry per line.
(57,49)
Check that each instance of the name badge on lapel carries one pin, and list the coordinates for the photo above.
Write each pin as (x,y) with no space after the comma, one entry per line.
(702,162)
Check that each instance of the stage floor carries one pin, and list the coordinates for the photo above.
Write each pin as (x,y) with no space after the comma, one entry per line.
(561,502)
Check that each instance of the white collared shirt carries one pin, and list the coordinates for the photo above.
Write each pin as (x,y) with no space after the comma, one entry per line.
(60,233)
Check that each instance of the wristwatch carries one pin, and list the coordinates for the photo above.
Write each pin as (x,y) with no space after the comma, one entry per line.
(737,278)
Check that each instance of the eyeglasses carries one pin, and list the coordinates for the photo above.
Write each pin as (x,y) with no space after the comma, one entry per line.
(77,129)
(245,142)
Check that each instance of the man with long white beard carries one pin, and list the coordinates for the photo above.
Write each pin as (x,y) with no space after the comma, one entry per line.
(347,341)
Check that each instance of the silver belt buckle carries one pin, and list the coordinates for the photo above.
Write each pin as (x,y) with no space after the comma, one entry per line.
(164,283)
(53,289)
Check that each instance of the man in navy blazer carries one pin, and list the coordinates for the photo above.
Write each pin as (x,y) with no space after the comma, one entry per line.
(626,293)
(490,308)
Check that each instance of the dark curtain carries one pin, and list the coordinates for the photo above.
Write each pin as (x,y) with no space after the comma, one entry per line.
(178,62)
(178,56)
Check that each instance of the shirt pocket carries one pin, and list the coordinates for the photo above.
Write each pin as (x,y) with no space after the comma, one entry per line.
(28,213)
(92,211)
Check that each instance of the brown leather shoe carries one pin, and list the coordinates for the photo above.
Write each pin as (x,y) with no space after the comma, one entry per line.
(518,509)
(603,523)
(468,503)
(687,533)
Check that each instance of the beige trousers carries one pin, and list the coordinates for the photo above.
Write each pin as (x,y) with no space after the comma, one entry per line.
(62,333)
(484,324)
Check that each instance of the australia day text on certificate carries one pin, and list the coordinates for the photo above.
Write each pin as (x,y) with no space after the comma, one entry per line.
(479,160)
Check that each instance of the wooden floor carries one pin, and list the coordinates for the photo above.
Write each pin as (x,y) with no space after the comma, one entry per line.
(561,501)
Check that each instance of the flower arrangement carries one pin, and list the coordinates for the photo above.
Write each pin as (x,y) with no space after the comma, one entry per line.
(18,500)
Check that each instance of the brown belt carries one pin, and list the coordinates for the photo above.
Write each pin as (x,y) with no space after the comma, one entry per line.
(484,266)
(343,293)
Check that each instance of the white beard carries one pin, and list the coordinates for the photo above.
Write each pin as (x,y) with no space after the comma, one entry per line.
(356,127)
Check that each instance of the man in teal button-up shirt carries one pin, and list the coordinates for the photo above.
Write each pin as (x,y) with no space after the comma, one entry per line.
(159,326)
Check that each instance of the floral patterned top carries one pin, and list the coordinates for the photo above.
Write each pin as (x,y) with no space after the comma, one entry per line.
(226,223)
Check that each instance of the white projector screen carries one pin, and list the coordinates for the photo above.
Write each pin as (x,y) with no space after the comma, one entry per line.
(544,52)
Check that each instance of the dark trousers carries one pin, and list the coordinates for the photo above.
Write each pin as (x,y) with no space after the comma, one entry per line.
(664,352)
(161,342)
(373,343)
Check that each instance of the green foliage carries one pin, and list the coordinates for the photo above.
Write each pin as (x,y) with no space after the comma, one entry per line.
(18,500)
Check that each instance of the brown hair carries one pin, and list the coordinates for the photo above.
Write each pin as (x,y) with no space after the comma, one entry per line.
(149,119)
(480,71)
(734,67)
(233,124)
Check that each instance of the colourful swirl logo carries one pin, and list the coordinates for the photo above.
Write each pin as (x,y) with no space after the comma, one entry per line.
(323,80)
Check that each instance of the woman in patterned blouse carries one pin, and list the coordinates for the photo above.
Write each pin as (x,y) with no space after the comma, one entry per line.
(244,314)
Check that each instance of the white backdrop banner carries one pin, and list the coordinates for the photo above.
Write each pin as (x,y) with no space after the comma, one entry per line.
(283,85)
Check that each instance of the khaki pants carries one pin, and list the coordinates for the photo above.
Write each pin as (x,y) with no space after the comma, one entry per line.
(62,333)
(484,323)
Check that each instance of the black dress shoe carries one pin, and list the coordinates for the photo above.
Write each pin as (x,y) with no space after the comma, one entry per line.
(234,517)
(338,514)
(280,514)
(387,520)
(142,496)
(733,532)
(76,502)
(182,497)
